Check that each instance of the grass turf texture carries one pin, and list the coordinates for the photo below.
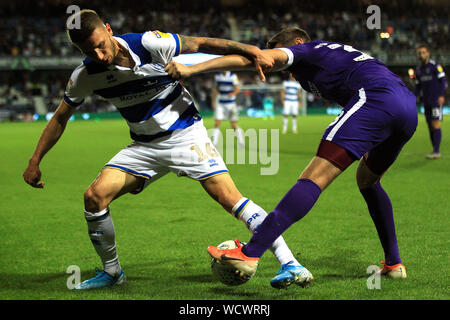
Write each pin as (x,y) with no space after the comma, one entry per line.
(163,233)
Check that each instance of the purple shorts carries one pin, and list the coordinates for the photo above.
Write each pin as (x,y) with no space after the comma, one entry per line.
(433,113)
(377,120)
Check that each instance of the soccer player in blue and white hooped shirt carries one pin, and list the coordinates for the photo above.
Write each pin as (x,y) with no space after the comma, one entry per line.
(430,88)
(290,95)
(167,131)
(379,117)
(223,102)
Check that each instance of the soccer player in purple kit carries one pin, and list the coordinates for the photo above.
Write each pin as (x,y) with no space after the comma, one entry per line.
(430,87)
(379,116)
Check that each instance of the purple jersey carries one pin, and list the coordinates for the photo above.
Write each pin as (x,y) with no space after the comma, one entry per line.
(430,83)
(335,71)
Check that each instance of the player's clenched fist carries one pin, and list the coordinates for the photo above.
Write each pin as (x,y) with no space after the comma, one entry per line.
(32,176)
(177,70)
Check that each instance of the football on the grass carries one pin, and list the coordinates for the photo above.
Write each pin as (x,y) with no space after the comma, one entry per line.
(224,272)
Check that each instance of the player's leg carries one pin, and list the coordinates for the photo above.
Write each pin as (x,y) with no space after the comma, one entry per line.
(109,185)
(219,116)
(238,132)
(296,203)
(368,175)
(233,117)
(200,161)
(381,212)
(433,116)
(129,171)
(216,132)
(436,137)
(222,189)
(294,116)
(370,170)
(285,116)
(294,123)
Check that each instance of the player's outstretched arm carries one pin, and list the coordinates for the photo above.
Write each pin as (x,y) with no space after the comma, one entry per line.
(230,62)
(227,47)
(48,139)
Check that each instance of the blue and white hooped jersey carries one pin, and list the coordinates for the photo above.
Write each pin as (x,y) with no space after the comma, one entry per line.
(291,89)
(153,103)
(225,85)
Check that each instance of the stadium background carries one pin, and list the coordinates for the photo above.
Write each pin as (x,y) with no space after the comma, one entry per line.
(42,233)
(36,58)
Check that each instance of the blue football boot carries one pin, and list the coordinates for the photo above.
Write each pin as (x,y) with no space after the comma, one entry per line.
(289,274)
(102,279)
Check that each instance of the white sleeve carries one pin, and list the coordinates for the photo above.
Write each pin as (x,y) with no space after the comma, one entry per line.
(440,71)
(76,89)
(290,58)
(162,46)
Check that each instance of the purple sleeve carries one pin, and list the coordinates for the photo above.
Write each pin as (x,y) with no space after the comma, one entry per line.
(443,83)
(441,78)
(417,88)
(302,52)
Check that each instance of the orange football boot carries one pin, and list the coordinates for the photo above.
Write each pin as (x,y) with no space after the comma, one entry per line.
(397,271)
(245,266)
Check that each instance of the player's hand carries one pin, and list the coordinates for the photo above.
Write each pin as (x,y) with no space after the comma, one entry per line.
(263,63)
(178,70)
(32,176)
(441,100)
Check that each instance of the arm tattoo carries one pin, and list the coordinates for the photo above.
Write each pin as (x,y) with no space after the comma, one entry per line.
(214,46)
(188,44)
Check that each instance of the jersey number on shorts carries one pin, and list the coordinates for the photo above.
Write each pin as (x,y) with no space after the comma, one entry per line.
(211,152)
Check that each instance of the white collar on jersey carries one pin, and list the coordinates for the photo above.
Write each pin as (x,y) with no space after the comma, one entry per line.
(137,60)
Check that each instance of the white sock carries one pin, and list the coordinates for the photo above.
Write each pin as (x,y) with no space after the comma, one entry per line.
(215,136)
(294,124)
(253,215)
(285,124)
(103,237)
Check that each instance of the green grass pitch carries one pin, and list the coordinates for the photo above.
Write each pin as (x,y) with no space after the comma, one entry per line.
(163,233)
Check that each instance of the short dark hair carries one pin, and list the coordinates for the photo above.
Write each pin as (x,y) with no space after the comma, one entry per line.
(287,35)
(89,21)
(423,45)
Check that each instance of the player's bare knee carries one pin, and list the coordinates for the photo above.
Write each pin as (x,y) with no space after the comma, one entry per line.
(94,201)
(435,124)
(365,178)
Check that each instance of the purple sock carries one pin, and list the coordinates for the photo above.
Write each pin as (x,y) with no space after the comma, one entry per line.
(295,205)
(380,209)
(436,136)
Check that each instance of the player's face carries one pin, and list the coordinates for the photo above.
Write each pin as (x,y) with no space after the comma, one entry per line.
(423,54)
(100,45)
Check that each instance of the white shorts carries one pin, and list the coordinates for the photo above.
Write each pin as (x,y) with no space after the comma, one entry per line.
(187,152)
(226,111)
(290,108)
